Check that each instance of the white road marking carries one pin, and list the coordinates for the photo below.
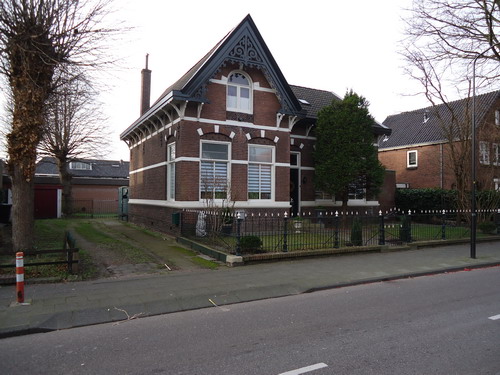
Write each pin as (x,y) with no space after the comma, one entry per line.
(495,317)
(303,370)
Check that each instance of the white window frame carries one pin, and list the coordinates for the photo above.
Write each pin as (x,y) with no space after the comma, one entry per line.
(238,93)
(171,171)
(484,153)
(497,117)
(80,166)
(408,164)
(228,171)
(271,164)
(496,154)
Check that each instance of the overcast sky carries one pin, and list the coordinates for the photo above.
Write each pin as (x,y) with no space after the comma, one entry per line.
(331,45)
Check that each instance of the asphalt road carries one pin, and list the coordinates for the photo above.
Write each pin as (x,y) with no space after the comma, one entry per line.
(443,324)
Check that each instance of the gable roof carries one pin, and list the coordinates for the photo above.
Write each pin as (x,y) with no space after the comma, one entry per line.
(424,126)
(244,44)
(106,169)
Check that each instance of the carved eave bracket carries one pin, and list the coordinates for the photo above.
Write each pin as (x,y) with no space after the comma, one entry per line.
(279,118)
(292,120)
(180,108)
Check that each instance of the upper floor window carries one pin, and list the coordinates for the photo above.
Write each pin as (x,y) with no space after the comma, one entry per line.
(412,159)
(214,170)
(239,93)
(497,117)
(80,165)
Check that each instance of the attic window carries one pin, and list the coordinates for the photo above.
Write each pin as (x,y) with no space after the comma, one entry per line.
(239,93)
(303,101)
(78,165)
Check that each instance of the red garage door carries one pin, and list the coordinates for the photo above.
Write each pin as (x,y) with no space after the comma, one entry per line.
(45,203)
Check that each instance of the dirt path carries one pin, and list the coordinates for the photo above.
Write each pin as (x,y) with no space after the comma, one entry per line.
(159,253)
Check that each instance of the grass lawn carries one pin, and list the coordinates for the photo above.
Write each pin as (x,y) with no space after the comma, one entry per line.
(325,238)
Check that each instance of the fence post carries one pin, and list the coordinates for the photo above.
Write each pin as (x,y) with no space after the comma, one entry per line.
(70,253)
(381,229)
(20,277)
(336,241)
(285,220)
(497,220)
(409,226)
(443,226)
(238,233)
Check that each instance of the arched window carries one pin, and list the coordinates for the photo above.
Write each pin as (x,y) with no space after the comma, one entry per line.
(239,93)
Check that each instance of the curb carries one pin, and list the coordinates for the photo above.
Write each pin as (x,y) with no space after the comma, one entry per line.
(285,290)
(404,276)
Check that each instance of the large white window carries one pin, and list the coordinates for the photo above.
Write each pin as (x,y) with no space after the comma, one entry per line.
(171,171)
(484,152)
(239,93)
(214,170)
(412,159)
(260,172)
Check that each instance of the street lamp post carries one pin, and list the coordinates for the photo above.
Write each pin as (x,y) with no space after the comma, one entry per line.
(473,146)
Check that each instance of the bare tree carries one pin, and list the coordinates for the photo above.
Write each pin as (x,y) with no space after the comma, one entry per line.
(451,34)
(38,38)
(443,38)
(75,128)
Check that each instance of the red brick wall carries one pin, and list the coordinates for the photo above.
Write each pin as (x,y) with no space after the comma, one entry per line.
(387,194)
(432,171)
(94,192)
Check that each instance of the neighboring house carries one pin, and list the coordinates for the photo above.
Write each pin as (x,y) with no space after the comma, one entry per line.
(230,129)
(94,182)
(419,150)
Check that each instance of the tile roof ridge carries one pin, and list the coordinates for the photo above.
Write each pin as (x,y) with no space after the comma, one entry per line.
(453,102)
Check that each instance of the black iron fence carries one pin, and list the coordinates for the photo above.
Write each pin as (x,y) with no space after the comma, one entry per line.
(253,233)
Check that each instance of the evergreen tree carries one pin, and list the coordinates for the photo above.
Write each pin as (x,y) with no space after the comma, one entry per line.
(345,156)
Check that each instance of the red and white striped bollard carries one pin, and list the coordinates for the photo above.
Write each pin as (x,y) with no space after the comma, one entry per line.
(20,277)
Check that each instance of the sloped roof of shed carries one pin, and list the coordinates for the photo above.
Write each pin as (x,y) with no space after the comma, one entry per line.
(410,128)
(100,168)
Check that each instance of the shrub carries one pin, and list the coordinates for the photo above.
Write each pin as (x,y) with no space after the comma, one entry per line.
(426,199)
(251,244)
(356,233)
(487,227)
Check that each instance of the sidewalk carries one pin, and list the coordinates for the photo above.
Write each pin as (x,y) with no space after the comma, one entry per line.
(66,305)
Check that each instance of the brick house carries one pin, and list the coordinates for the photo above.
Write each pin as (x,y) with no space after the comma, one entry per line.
(95,185)
(231,128)
(418,149)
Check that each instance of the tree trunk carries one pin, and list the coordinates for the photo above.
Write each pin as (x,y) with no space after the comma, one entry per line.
(23,210)
(66,177)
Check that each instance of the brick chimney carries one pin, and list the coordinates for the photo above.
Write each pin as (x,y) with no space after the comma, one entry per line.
(145,87)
